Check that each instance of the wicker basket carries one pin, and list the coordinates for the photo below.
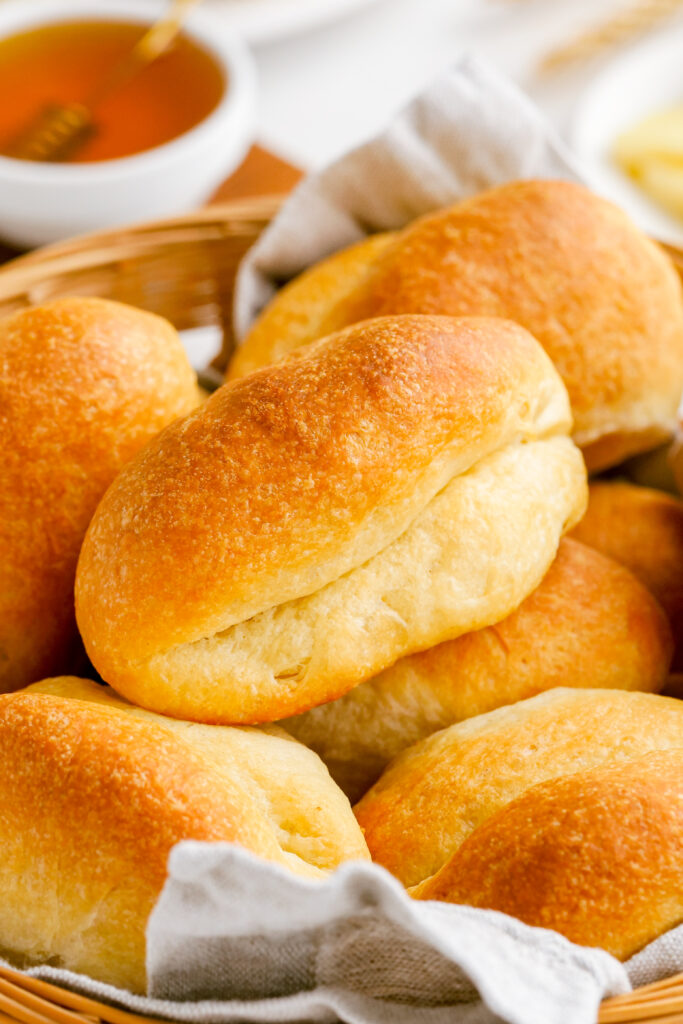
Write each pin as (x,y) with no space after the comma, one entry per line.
(184,269)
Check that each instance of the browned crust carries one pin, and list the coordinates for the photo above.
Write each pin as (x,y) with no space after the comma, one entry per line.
(603,300)
(92,804)
(597,856)
(643,529)
(261,495)
(94,793)
(84,384)
(301,307)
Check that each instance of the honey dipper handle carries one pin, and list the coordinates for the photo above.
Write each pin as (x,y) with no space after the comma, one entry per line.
(163,32)
(152,44)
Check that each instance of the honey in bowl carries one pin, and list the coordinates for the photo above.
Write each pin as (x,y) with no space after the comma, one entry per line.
(66,62)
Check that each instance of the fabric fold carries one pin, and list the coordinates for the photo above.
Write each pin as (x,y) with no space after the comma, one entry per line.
(470,130)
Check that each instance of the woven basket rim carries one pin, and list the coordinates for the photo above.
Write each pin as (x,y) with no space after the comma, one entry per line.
(33,1000)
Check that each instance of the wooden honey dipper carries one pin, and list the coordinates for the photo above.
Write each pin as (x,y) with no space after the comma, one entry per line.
(59,130)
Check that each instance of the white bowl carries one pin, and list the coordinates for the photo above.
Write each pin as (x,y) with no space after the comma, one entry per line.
(645,79)
(41,203)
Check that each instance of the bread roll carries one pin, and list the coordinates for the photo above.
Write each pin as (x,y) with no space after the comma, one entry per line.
(436,793)
(590,623)
(300,308)
(642,529)
(94,795)
(294,535)
(597,856)
(603,301)
(84,384)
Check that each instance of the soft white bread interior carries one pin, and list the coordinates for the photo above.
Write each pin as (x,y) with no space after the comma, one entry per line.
(589,624)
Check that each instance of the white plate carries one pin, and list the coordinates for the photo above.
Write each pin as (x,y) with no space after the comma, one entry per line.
(644,80)
(263,21)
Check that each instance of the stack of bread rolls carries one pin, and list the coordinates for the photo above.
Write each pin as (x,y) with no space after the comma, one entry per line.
(362,540)
(315,502)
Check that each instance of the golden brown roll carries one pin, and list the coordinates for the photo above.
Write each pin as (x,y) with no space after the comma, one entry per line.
(300,309)
(590,623)
(294,535)
(642,529)
(597,856)
(436,793)
(84,384)
(570,267)
(94,795)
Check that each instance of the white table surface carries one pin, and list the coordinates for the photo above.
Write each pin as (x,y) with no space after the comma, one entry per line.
(323,91)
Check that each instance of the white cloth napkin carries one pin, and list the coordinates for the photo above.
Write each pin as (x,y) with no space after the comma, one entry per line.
(471,130)
(233,938)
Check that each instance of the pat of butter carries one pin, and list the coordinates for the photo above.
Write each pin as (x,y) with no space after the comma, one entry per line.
(651,153)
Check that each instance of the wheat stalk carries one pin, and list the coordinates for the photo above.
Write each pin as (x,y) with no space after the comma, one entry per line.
(626,25)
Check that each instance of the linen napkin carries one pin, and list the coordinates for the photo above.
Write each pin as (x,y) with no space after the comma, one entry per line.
(471,130)
(233,938)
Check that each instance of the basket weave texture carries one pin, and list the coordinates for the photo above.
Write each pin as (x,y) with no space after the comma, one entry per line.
(184,269)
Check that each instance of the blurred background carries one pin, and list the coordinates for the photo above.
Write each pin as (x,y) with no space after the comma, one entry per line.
(324,89)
